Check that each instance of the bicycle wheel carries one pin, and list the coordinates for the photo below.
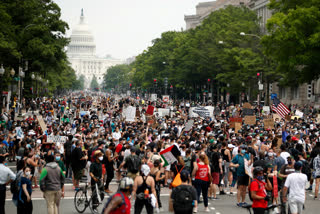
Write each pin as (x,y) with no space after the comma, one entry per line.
(94,209)
(80,201)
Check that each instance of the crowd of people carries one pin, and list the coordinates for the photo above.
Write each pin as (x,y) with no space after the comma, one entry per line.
(86,135)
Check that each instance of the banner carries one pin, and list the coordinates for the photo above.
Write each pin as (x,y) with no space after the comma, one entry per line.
(203,112)
(130,113)
(56,139)
(169,155)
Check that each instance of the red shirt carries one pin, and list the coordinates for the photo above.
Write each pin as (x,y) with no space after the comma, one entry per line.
(202,172)
(126,206)
(119,148)
(259,187)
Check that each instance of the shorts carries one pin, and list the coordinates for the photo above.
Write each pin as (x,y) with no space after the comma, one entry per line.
(295,206)
(215,178)
(243,180)
(132,175)
(77,174)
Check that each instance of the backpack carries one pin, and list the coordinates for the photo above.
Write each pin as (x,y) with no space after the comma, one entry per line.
(134,164)
(306,169)
(15,185)
(183,201)
(250,188)
(109,200)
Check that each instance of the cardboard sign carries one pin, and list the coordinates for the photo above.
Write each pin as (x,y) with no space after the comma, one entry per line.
(287,118)
(250,120)
(247,111)
(150,110)
(150,119)
(247,105)
(279,142)
(237,127)
(276,116)
(42,124)
(268,123)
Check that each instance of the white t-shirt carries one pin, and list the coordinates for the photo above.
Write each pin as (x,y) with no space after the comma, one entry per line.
(116,135)
(285,155)
(235,151)
(296,183)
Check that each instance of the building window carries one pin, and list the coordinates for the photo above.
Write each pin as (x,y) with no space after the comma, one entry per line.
(283,93)
(309,91)
(295,93)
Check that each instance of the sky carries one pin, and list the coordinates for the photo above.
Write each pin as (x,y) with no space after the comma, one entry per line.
(125,28)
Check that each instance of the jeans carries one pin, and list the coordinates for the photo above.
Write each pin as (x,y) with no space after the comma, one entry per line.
(53,201)
(202,186)
(2,198)
(138,206)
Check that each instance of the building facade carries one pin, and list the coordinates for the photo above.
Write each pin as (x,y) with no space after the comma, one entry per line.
(204,9)
(307,93)
(82,54)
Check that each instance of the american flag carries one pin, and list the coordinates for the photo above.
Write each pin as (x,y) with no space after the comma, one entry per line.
(280,108)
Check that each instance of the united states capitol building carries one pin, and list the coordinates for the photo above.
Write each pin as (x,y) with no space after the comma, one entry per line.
(82,54)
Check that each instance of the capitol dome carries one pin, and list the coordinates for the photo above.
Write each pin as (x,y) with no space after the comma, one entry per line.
(82,41)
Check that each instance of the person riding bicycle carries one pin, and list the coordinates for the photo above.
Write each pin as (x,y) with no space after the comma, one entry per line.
(96,175)
(258,191)
(120,202)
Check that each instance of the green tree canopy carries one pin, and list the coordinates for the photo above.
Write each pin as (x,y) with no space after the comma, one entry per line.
(94,85)
(293,41)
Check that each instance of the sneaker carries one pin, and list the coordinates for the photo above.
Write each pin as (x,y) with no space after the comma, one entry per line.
(310,188)
(95,210)
(206,209)
(244,203)
(222,193)
(239,204)
(107,191)
(195,210)
(315,198)
(215,198)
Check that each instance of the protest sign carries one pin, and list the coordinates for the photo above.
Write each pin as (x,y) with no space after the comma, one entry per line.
(189,125)
(165,98)
(247,111)
(56,139)
(42,124)
(236,119)
(266,109)
(250,120)
(203,112)
(268,123)
(247,105)
(276,116)
(153,97)
(237,127)
(295,117)
(130,113)
(137,112)
(248,168)
(150,110)
(163,112)
(299,113)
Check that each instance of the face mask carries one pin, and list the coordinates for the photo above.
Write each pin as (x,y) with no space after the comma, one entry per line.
(100,158)
(28,174)
(109,138)
(58,158)
(243,151)
(260,177)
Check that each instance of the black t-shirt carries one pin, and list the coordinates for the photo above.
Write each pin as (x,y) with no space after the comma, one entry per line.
(96,169)
(215,162)
(76,155)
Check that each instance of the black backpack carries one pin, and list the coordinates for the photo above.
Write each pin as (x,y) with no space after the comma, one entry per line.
(183,201)
(306,168)
(15,185)
(134,164)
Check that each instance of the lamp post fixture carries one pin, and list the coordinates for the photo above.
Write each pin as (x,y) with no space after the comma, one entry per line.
(1,100)
(21,75)
(12,73)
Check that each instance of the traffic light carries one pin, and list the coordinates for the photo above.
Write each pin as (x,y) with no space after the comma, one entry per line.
(130,85)
(171,89)
(209,80)
(155,82)
(258,75)
(31,89)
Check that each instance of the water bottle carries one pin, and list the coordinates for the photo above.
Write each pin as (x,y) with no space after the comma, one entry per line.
(146,194)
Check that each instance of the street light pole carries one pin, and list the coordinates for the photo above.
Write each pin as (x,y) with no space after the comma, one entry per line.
(1,74)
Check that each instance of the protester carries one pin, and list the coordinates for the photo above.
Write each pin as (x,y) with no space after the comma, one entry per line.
(25,192)
(52,184)
(6,177)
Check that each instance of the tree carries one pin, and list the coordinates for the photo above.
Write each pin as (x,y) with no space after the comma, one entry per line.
(293,41)
(117,76)
(94,85)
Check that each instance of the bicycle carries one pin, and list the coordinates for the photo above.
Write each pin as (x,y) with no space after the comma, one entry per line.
(82,201)
(268,209)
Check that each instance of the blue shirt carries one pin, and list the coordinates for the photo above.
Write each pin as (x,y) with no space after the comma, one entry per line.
(239,159)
